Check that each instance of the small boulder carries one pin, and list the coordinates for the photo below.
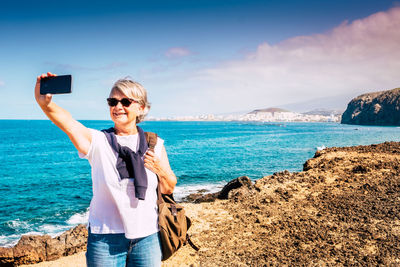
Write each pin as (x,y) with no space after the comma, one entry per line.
(199,197)
(55,248)
(234,189)
(30,249)
(75,239)
(243,182)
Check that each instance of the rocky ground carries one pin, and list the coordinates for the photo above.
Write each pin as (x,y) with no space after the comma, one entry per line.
(343,209)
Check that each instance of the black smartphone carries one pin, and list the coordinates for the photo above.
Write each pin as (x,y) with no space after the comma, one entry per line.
(56,85)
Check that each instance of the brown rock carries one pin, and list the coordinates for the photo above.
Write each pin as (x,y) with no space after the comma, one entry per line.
(75,239)
(30,249)
(234,184)
(199,197)
(6,256)
(55,248)
(35,248)
(235,189)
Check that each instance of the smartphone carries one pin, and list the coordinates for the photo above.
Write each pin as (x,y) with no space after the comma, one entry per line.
(56,85)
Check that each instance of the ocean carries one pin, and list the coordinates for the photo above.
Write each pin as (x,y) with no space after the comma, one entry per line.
(46,189)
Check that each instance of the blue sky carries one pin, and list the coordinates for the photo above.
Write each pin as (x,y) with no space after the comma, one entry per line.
(198,57)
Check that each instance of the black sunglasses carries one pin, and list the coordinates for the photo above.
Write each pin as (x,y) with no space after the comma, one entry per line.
(126,102)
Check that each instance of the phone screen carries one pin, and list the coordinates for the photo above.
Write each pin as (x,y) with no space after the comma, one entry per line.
(56,85)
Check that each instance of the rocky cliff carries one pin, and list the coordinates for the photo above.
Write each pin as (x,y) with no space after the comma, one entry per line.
(379,108)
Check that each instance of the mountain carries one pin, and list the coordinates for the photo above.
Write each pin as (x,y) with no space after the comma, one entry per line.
(378,108)
(272,110)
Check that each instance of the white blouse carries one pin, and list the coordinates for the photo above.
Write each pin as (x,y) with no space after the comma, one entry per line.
(114,207)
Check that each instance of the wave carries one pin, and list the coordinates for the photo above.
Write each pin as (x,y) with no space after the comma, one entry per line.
(185,190)
(17,224)
(79,218)
(53,230)
(9,240)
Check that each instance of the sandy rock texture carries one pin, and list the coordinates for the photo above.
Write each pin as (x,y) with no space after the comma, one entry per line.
(343,209)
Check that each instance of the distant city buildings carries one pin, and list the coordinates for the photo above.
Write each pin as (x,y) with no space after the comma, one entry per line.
(260,116)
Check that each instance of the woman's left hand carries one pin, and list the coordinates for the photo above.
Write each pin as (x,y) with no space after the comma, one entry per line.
(152,162)
(161,167)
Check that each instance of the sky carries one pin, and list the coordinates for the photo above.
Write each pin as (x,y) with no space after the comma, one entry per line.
(199,57)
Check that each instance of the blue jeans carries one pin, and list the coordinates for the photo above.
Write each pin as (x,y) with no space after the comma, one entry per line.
(114,250)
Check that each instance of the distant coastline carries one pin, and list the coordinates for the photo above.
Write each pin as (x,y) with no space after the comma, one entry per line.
(257,115)
(262,115)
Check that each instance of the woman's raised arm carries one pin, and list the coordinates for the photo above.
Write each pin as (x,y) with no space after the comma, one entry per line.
(80,135)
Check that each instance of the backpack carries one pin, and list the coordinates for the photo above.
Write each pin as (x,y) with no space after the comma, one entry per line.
(172,221)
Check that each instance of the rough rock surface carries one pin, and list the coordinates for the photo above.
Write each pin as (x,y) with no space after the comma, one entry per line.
(379,108)
(36,248)
(343,209)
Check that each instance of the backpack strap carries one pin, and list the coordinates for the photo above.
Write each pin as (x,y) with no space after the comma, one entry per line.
(151,139)
(191,243)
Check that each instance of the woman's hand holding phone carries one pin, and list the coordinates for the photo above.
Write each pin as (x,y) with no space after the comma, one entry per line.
(42,100)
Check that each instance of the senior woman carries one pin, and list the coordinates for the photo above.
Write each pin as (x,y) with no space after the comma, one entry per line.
(123,217)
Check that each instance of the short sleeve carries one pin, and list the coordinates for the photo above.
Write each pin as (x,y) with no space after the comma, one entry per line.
(96,135)
(158,148)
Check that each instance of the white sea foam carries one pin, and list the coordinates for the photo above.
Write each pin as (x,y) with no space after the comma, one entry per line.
(9,241)
(34,233)
(45,229)
(17,224)
(321,147)
(53,230)
(79,218)
(182,191)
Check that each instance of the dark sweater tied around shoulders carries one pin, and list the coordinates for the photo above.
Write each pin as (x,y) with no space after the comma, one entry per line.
(130,164)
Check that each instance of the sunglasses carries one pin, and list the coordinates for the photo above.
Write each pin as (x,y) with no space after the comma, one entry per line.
(126,102)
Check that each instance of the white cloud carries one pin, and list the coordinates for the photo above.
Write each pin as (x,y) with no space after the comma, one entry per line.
(177,52)
(1,83)
(363,55)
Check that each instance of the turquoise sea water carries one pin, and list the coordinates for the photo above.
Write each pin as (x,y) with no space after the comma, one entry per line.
(46,188)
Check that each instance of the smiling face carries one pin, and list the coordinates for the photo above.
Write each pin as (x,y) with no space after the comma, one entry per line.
(124,116)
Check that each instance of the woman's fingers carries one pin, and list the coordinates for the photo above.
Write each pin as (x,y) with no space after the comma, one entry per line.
(48,97)
(150,166)
(149,152)
(42,99)
(151,161)
(44,75)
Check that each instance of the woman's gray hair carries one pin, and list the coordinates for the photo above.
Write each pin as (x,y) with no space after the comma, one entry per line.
(134,90)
